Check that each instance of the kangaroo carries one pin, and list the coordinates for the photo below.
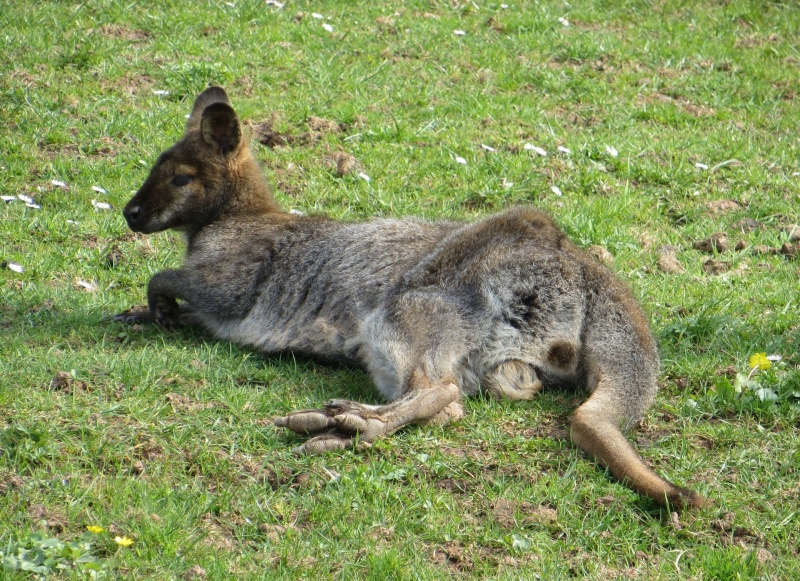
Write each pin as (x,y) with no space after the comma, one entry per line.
(433,311)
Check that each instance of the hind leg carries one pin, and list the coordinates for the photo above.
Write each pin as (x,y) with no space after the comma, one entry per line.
(344,424)
(512,380)
(412,350)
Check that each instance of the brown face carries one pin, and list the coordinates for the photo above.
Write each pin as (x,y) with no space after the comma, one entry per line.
(186,187)
(168,188)
(173,191)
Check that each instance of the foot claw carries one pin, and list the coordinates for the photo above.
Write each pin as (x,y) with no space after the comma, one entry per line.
(306,422)
(325,443)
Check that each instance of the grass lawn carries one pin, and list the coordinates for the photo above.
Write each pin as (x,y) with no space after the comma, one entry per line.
(644,127)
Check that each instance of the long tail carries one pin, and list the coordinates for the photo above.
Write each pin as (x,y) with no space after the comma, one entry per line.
(595,430)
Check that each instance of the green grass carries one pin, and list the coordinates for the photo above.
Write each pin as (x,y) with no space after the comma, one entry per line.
(166,438)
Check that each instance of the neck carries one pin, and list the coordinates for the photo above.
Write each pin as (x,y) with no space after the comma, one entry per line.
(251,192)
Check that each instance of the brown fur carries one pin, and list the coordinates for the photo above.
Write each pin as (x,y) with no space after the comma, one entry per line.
(433,311)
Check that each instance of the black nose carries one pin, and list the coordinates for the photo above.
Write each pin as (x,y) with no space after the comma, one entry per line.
(132,215)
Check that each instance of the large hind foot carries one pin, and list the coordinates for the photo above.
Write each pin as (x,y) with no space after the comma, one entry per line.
(345,424)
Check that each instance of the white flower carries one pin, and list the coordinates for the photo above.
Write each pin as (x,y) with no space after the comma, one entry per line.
(327,27)
(86,285)
(539,150)
(461,160)
(563,21)
(14,266)
(317,16)
(101,205)
(611,151)
(556,190)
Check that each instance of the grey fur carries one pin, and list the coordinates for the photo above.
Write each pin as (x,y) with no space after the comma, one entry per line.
(432,310)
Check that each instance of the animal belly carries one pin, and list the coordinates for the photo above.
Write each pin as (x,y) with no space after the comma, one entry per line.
(317,338)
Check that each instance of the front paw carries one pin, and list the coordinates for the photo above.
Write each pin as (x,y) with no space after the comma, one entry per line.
(135,315)
(166,312)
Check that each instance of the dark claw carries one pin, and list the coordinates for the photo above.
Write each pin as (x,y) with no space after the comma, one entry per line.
(134,315)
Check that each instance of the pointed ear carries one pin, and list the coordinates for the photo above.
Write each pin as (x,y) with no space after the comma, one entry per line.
(208,97)
(220,128)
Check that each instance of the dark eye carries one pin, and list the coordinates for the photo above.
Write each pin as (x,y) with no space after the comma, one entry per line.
(179,181)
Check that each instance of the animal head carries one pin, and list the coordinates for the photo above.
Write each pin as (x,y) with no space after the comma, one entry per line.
(210,171)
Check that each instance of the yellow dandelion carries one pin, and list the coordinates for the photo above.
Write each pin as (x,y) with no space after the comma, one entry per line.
(759,360)
(95,529)
(123,541)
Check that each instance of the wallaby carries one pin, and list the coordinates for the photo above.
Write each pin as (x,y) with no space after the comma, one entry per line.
(434,311)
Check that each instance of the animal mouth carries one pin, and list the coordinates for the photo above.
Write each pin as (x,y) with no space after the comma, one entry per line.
(137,218)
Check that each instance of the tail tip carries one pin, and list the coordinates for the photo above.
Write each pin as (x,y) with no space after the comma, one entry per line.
(685,498)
